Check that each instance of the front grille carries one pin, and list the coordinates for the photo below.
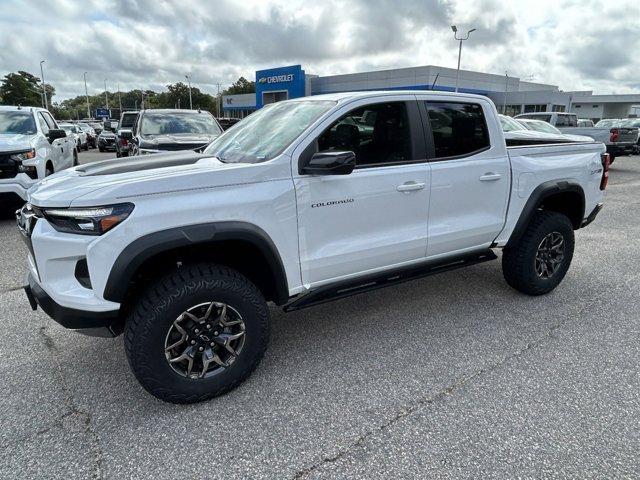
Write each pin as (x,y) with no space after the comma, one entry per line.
(8,166)
(179,146)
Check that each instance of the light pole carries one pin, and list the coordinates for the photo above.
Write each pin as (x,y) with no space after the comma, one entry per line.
(44,88)
(86,95)
(106,98)
(218,101)
(119,99)
(188,77)
(461,39)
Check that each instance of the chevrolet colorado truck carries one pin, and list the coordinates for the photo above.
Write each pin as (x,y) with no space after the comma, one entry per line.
(32,146)
(300,203)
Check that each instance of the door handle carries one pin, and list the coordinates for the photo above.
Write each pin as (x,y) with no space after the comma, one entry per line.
(490,177)
(410,186)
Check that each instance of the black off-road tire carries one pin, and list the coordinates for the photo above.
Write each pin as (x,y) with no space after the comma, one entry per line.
(155,311)
(518,261)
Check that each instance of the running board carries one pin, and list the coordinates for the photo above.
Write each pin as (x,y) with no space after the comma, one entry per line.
(328,293)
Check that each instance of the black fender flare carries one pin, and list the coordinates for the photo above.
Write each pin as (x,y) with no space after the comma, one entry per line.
(147,246)
(542,191)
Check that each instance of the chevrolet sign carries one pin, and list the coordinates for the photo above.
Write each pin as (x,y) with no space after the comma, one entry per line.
(277,78)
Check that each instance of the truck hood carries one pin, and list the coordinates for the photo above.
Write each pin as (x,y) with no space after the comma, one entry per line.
(10,142)
(124,179)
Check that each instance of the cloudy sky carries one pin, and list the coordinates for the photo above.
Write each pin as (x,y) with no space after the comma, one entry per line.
(576,44)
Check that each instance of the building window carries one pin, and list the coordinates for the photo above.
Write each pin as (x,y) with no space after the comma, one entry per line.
(513,110)
(535,108)
(596,106)
(558,108)
(273,97)
(577,106)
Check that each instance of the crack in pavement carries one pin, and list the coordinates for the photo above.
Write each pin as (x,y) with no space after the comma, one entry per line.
(73,409)
(450,389)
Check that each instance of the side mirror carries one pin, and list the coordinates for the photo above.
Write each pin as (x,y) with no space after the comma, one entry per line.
(330,163)
(56,133)
(126,134)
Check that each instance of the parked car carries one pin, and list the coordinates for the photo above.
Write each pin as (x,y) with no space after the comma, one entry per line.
(127,120)
(32,146)
(633,123)
(107,140)
(182,250)
(544,127)
(170,130)
(97,126)
(520,132)
(226,122)
(78,135)
(619,140)
(92,137)
(585,122)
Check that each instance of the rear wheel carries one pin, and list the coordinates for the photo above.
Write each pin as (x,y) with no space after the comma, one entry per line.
(541,258)
(197,333)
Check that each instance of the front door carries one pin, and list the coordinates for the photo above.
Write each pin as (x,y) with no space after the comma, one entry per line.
(376,217)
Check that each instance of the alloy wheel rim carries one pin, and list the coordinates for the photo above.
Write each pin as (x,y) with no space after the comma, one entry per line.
(549,255)
(204,340)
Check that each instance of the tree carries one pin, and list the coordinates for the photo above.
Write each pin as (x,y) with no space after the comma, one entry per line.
(23,88)
(242,85)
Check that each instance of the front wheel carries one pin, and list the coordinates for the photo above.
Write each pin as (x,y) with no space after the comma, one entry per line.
(197,333)
(75,158)
(538,262)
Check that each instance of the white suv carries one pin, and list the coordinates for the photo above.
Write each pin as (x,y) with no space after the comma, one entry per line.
(32,146)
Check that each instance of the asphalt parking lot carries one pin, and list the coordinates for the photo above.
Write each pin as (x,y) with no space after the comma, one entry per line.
(452,376)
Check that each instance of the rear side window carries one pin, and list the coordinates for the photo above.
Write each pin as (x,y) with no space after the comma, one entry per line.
(458,129)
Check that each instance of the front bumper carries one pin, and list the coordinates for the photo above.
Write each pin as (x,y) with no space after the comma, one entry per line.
(17,185)
(97,324)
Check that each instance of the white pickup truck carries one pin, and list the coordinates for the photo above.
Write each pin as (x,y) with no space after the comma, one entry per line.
(32,146)
(304,201)
(619,139)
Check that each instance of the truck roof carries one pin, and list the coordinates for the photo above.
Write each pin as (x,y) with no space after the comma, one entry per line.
(21,107)
(346,96)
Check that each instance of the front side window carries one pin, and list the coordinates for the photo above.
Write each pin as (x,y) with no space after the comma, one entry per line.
(16,121)
(457,128)
(128,121)
(43,124)
(265,134)
(377,134)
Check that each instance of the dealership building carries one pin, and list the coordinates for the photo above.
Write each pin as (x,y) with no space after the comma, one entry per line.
(510,94)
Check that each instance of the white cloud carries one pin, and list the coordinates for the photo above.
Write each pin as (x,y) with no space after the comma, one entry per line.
(576,44)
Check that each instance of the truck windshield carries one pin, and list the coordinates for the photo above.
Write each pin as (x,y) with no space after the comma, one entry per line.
(20,122)
(265,134)
(171,123)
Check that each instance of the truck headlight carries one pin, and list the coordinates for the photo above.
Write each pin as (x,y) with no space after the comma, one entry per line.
(88,221)
(27,155)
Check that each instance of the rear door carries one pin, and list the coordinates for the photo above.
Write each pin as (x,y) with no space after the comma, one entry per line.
(470,175)
(376,217)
